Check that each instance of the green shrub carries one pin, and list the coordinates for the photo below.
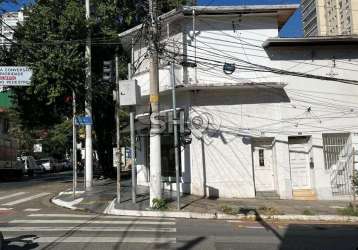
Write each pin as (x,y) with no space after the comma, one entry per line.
(269,211)
(308,212)
(160,204)
(350,210)
(355,180)
(228,210)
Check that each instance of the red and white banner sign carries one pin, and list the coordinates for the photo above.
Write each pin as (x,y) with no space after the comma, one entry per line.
(15,76)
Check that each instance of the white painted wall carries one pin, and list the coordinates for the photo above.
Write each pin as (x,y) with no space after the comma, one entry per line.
(220,160)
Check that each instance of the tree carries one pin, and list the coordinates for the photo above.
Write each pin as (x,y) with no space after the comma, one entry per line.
(59,140)
(51,42)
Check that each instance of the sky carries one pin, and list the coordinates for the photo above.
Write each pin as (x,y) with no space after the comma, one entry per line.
(14,7)
(293,27)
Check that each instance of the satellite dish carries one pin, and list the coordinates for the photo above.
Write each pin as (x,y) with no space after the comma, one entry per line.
(246,140)
(229,68)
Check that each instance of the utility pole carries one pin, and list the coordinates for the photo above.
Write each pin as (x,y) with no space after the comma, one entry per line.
(155,144)
(74,146)
(118,134)
(88,106)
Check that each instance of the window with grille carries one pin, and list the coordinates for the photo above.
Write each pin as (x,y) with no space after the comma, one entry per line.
(333,147)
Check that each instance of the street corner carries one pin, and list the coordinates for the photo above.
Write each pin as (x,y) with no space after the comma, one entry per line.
(66,200)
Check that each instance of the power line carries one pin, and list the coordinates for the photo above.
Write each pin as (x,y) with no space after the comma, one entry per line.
(274,70)
(320,103)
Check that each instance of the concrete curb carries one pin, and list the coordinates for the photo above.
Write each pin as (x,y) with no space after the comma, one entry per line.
(291,217)
(67,204)
(111,210)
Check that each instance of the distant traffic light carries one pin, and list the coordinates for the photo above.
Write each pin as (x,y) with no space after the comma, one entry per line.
(108,71)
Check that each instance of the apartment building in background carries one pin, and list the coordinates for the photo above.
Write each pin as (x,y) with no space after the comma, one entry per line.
(329,17)
(9,22)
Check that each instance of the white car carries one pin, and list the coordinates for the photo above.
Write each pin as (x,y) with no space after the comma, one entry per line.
(48,164)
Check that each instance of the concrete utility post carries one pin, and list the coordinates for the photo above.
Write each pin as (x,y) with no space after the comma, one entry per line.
(155,144)
(88,106)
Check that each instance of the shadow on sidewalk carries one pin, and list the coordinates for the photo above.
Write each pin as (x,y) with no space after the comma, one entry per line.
(311,235)
(23,242)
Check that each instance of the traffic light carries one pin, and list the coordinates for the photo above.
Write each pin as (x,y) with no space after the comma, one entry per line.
(108,71)
(185,137)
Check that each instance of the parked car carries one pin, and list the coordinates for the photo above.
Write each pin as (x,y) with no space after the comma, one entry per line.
(30,165)
(63,165)
(48,164)
(68,164)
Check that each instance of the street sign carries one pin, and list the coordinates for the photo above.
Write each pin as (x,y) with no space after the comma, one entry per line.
(38,148)
(128,153)
(15,76)
(83,120)
(129,92)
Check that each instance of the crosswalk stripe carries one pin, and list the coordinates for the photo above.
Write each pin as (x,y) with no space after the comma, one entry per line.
(32,209)
(5,209)
(253,227)
(145,240)
(100,217)
(25,199)
(130,222)
(12,195)
(87,229)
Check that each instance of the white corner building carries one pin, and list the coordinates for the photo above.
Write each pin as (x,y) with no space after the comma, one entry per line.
(281,124)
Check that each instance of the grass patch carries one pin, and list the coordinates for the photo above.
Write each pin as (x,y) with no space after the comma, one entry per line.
(308,212)
(160,204)
(350,210)
(269,211)
(229,210)
(226,209)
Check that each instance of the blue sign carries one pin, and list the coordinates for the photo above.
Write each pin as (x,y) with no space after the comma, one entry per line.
(83,120)
(128,153)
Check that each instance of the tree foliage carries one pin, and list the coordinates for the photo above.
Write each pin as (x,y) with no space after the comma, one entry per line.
(52,43)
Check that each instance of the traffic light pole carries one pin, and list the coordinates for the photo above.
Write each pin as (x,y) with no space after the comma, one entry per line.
(74,144)
(176,144)
(132,137)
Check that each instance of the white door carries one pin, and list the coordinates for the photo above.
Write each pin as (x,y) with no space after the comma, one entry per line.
(299,162)
(263,167)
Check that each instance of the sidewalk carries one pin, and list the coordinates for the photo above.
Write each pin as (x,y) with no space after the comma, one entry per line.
(102,200)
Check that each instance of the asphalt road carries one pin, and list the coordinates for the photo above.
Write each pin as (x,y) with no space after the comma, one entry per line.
(29,221)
